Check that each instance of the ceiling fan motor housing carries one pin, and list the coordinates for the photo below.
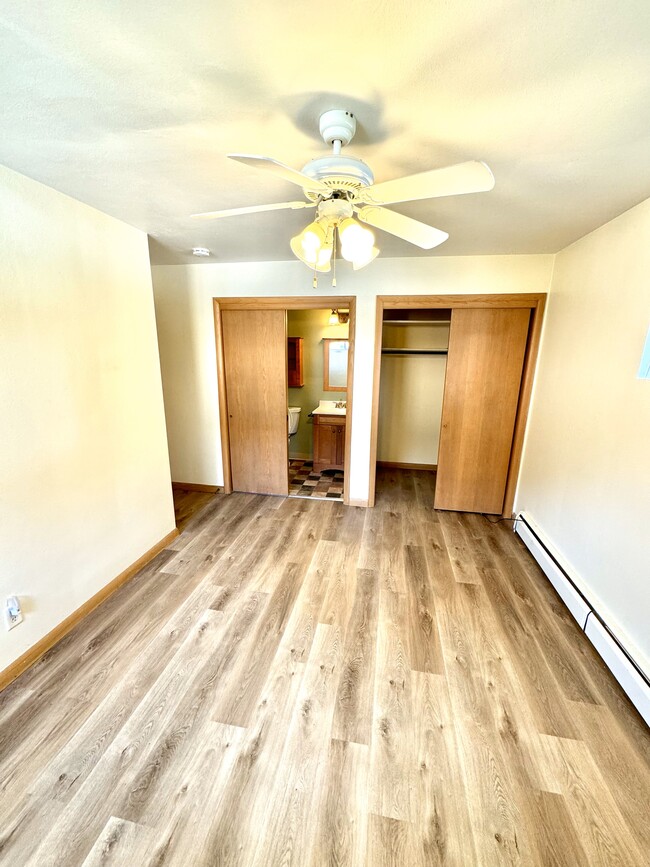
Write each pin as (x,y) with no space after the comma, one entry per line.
(347,173)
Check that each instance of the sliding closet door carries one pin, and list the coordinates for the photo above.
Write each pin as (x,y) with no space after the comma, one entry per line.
(482,382)
(255,362)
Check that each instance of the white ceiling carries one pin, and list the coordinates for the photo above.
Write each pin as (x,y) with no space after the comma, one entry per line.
(131,108)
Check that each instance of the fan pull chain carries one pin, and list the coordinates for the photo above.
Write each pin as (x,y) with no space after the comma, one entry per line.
(334,257)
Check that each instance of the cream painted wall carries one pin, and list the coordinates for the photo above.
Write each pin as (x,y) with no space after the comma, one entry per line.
(84,469)
(410,398)
(585,476)
(312,326)
(183,295)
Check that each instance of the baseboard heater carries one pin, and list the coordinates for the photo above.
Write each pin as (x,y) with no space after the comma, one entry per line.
(633,680)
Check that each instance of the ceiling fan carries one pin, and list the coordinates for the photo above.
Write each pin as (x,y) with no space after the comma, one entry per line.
(341,188)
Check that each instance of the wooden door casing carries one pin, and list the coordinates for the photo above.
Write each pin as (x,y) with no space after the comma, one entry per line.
(482,384)
(255,367)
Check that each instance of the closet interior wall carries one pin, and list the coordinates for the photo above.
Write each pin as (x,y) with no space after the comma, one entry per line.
(413,363)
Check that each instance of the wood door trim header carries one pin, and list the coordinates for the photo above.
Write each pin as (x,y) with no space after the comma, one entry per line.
(296,302)
(289,302)
(513,299)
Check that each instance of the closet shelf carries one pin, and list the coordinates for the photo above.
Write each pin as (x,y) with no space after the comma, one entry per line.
(391,351)
(417,321)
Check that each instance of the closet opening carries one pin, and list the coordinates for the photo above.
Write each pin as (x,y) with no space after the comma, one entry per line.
(452,382)
(414,346)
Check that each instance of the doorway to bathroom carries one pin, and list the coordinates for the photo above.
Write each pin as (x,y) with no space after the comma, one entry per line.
(263,346)
(317,368)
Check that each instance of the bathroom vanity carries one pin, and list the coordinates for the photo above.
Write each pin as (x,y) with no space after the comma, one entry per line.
(329,435)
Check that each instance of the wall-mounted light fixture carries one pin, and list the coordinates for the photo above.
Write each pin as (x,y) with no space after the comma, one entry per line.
(339,317)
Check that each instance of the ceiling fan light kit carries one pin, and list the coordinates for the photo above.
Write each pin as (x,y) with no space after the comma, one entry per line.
(366,259)
(356,242)
(342,188)
(314,246)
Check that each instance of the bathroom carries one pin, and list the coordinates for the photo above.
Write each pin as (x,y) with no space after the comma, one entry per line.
(317,353)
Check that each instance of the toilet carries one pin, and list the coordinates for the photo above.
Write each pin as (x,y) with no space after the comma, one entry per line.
(294,419)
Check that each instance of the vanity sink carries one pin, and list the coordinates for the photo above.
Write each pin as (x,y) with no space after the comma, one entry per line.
(330,407)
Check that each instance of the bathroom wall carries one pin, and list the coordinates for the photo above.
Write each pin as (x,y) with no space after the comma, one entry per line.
(410,398)
(312,326)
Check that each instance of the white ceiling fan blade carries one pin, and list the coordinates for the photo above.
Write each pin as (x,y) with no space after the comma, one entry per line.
(470,177)
(254,209)
(269,165)
(404,227)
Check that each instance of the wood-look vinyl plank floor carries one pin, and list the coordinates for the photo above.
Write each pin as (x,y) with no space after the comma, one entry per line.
(297,682)
(187,504)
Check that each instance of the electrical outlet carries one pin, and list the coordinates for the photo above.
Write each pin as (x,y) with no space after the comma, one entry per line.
(12,612)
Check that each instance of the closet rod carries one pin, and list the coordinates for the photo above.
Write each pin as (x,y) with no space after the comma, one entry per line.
(414,352)
(416,321)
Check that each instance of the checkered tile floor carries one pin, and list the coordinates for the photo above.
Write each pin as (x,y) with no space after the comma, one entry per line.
(304,482)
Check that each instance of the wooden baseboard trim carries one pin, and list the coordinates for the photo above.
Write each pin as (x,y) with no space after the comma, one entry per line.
(192,486)
(48,641)
(399,465)
(362,503)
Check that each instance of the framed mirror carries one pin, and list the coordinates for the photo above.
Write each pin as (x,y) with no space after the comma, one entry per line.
(335,364)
